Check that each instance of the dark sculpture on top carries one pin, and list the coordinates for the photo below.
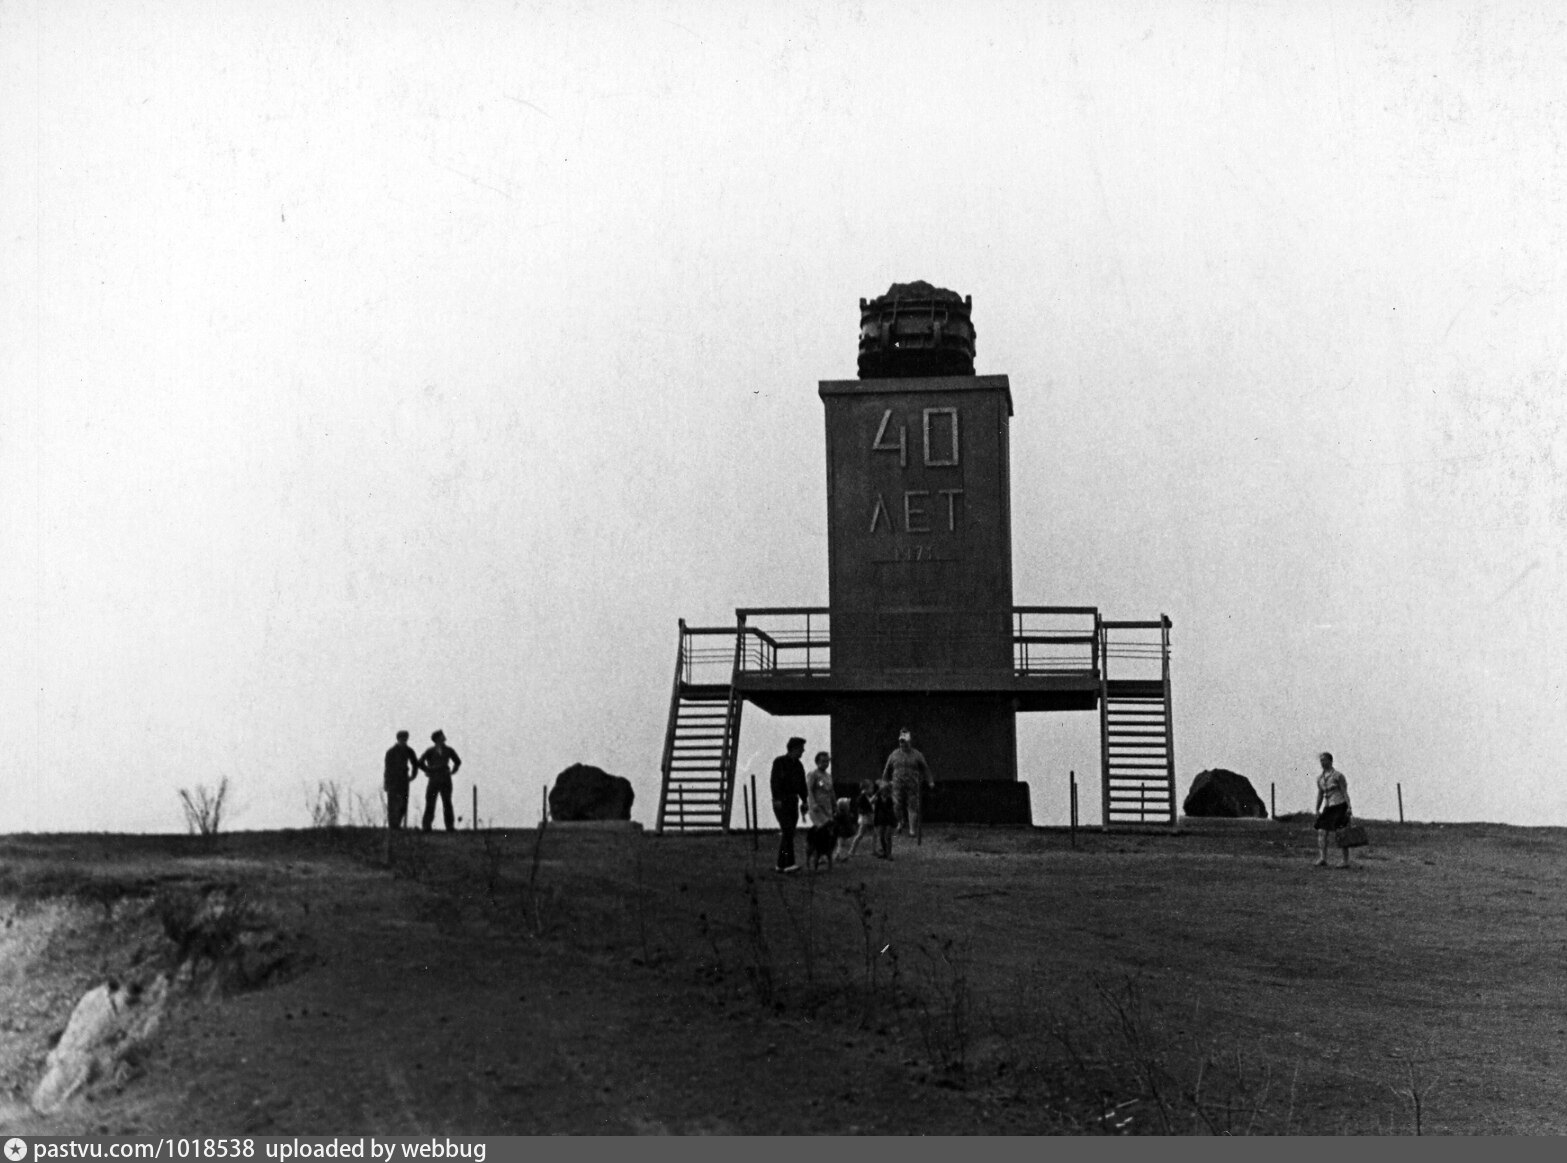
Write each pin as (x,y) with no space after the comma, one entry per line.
(916,329)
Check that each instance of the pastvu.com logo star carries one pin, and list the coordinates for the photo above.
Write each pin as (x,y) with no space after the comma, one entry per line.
(15,1150)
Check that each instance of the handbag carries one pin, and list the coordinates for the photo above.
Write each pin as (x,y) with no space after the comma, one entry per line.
(1351,836)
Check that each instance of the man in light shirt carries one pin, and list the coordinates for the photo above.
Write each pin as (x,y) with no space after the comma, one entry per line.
(908,771)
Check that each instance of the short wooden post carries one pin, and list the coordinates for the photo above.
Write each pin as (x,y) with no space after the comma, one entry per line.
(756,815)
(544,804)
(475,807)
(1273,804)
(1400,788)
(1072,778)
(745,803)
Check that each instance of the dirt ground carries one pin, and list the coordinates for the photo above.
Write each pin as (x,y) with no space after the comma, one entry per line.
(988,981)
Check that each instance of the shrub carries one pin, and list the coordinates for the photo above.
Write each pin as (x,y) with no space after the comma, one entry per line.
(326,809)
(204,807)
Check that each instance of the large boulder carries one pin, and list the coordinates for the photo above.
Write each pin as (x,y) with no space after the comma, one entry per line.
(588,793)
(1224,793)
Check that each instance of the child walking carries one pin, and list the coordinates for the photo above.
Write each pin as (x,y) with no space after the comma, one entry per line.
(885,816)
(864,812)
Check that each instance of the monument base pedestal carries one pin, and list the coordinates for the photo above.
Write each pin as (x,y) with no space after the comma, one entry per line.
(978,801)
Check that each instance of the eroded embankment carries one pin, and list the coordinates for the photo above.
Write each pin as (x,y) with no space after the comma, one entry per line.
(90,970)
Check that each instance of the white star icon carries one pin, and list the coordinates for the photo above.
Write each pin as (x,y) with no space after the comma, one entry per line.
(15,1150)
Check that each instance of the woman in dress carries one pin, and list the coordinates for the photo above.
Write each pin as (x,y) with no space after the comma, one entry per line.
(821,802)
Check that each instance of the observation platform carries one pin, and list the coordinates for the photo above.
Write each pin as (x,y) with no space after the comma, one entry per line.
(788,661)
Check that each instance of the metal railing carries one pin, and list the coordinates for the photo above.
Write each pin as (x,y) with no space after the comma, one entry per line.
(794,640)
(707,655)
(1136,650)
(1055,640)
(799,640)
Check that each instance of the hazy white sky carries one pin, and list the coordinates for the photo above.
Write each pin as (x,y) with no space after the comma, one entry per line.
(379,365)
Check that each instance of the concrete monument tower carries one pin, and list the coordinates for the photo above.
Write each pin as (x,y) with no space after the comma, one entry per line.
(920,549)
(921,630)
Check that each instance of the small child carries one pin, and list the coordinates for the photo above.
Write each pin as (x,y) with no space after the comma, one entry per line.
(885,815)
(843,826)
(865,817)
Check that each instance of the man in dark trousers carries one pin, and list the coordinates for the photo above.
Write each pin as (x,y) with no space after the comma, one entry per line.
(439,763)
(789,800)
(402,768)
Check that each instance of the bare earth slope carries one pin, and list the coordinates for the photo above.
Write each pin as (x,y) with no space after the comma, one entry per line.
(599,981)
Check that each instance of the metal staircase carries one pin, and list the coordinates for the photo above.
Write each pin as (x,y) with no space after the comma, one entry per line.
(704,728)
(1137,742)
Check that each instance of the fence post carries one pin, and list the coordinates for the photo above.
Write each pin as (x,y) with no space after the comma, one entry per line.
(1400,802)
(475,807)
(544,804)
(756,815)
(1072,778)
(1273,804)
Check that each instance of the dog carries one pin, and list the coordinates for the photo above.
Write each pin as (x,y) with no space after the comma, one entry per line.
(821,842)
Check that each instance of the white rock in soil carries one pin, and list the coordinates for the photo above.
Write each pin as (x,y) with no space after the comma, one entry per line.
(107,1022)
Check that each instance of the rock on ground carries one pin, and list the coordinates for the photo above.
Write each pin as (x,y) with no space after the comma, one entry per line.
(1218,792)
(582,792)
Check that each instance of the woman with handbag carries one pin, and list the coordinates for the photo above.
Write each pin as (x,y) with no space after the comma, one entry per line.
(1332,807)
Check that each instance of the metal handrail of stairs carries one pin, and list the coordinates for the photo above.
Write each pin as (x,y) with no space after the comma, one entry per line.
(686,662)
(1142,652)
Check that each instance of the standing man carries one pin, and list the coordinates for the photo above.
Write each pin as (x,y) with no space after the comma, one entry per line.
(907,770)
(789,800)
(440,763)
(402,768)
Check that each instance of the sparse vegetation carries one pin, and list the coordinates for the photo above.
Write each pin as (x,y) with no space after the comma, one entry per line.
(760,967)
(204,807)
(494,860)
(534,894)
(946,1005)
(1101,994)
(326,805)
(408,853)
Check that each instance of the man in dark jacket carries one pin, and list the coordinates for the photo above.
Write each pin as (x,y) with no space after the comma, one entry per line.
(402,768)
(789,800)
(439,763)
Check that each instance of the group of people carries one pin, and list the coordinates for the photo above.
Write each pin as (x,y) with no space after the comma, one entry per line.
(439,763)
(891,805)
(836,825)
